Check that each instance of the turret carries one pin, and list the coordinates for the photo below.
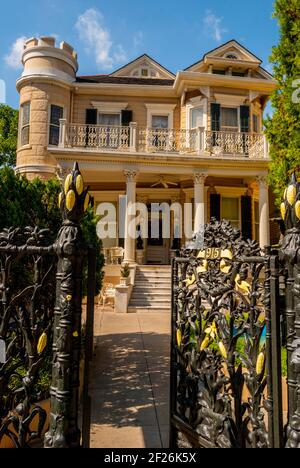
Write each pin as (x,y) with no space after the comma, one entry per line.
(45,89)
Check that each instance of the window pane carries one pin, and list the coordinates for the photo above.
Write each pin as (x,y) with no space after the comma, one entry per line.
(109,119)
(56,114)
(160,121)
(197,118)
(26,114)
(229,117)
(230,210)
(54,135)
(25,136)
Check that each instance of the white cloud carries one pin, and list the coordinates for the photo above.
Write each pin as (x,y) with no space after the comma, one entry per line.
(13,59)
(213,26)
(97,39)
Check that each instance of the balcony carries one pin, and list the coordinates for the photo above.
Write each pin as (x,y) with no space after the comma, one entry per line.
(198,142)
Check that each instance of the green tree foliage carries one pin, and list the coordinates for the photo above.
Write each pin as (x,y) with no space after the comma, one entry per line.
(24,203)
(8,135)
(283,129)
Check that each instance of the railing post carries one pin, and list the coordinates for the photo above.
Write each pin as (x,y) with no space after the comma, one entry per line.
(199,140)
(266,147)
(62,132)
(133,137)
(71,250)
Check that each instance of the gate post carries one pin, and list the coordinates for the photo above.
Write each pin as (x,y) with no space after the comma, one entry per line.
(290,254)
(70,249)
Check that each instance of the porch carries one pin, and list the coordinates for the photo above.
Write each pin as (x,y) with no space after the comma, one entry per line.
(135,139)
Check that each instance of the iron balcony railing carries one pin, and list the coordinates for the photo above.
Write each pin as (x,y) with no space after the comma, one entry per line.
(132,138)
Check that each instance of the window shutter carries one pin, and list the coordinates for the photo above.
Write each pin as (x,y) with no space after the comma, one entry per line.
(215,206)
(245,118)
(215,117)
(91,116)
(246,204)
(126,118)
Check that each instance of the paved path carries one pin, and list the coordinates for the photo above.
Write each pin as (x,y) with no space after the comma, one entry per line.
(130,380)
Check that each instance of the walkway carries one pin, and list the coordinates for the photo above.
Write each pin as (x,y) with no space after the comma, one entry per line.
(130,380)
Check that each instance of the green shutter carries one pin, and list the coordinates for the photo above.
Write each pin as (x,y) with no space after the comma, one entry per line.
(245,119)
(91,117)
(215,117)
(246,205)
(215,206)
(126,118)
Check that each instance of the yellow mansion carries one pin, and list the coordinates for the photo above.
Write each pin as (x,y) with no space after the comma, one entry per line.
(142,131)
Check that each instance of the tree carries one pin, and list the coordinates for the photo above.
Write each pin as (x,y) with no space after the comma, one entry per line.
(283,128)
(8,135)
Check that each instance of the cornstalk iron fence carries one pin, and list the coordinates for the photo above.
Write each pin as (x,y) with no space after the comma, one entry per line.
(41,325)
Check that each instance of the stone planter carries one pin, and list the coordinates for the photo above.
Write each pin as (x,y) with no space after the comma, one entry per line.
(125,281)
(140,257)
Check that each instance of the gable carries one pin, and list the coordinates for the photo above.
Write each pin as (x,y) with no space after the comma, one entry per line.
(144,67)
(230,53)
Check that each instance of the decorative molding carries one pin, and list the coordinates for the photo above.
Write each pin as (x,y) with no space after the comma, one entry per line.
(253,95)
(116,107)
(262,181)
(130,175)
(161,109)
(205,90)
(199,178)
(39,169)
(230,99)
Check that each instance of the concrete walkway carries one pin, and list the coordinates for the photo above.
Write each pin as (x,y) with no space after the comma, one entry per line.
(130,380)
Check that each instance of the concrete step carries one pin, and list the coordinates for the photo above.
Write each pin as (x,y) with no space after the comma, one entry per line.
(140,310)
(153,276)
(150,298)
(147,305)
(142,282)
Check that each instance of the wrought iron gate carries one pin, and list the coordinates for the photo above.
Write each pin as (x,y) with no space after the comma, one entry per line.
(235,327)
(40,325)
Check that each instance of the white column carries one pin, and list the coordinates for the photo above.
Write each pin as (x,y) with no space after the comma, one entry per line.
(133,136)
(264,216)
(129,254)
(199,200)
(62,132)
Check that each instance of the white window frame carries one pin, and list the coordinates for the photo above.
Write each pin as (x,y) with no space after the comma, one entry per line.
(104,107)
(196,103)
(238,117)
(49,120)
(162,110)
(257,114)
(109,113)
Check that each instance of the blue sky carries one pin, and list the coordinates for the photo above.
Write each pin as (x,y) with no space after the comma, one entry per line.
(108,34)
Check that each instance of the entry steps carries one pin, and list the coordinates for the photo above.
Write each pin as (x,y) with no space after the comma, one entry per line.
(152,289)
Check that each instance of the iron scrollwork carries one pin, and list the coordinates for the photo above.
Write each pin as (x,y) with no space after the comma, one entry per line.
(27,282)
(219,343)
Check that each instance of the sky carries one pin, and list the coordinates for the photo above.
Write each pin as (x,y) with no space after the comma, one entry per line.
(110,33)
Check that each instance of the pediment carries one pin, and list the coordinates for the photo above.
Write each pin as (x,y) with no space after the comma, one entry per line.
(231,52)
(144,67)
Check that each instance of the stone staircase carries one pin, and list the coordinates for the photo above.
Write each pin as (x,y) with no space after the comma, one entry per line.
(152,289)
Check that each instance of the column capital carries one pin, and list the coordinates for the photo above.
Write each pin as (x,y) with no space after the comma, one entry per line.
(130,175)
(262,181)
(200,178)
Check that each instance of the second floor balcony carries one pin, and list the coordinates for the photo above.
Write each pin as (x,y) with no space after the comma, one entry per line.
(196,142)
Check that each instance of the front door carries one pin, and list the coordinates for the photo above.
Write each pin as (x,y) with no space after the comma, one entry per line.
(158,247)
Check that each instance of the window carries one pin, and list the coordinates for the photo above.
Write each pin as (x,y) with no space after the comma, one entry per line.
(231,57)
(230,210)
(219,72)
(160,121)
(237,73)
(197,119)
(145,72)
(25,127)
(56,114)
(256,220)
(255,123)
(229,119)
(109,120)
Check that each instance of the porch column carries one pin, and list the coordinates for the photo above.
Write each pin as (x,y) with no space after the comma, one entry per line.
(264,221)
(129,254)
(199,200)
